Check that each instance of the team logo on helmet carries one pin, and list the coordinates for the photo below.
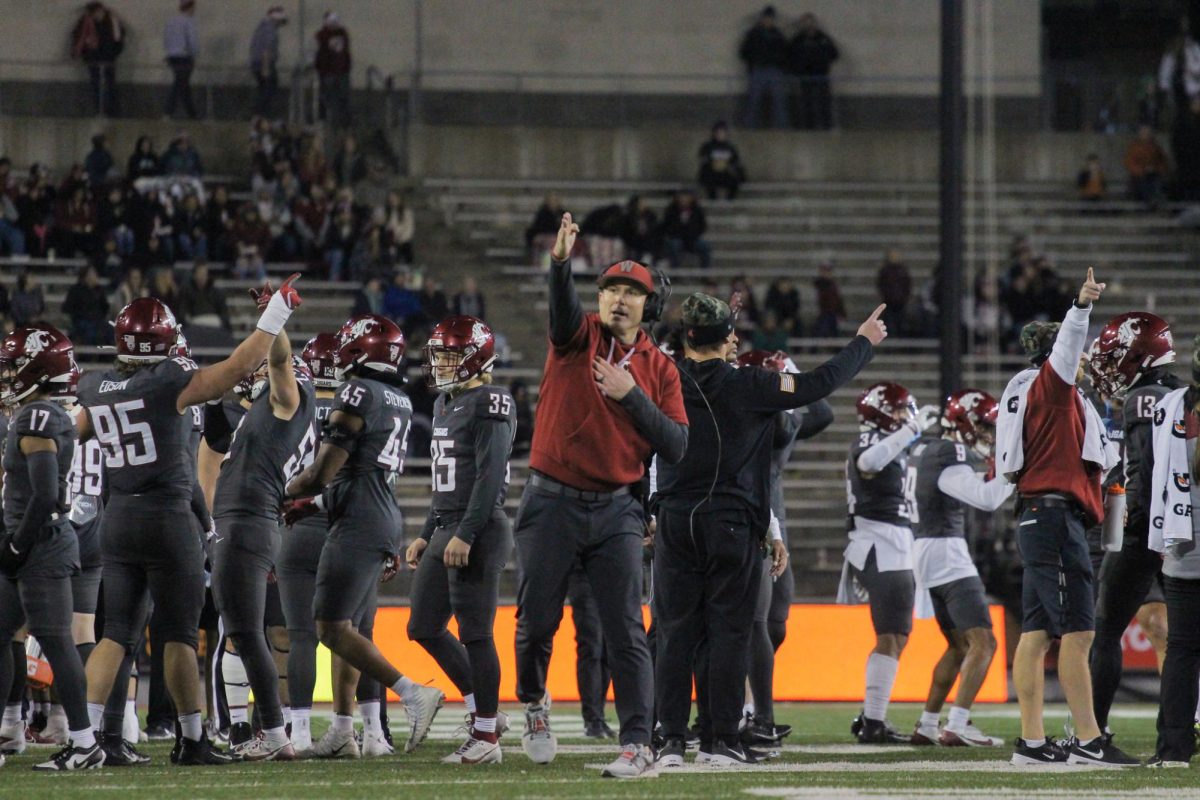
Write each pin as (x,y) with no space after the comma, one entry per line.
(362,327)
(969,400)
(36,342)
(479,334)
(1128,331)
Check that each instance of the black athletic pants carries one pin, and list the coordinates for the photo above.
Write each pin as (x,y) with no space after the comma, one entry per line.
(1181,670)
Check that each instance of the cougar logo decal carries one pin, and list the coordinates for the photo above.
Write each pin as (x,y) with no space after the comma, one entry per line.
(36,342)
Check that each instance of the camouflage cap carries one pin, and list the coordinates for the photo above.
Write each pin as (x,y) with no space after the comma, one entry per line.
(1038,337)
(702,310)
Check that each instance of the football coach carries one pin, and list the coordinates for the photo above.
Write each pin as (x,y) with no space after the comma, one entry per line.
(609,399)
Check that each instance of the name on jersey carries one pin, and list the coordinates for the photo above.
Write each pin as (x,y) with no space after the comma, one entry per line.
(113,386)
(441,431)
(396,400)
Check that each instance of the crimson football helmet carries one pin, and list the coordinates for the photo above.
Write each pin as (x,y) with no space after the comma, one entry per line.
(1129,346)
(885,406)
(462,344)
(182,348)
(970,416)
(35,357)
(251,387)
(320,353)
(369,341)
(146,331)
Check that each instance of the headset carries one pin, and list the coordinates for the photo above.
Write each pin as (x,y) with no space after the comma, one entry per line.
(656,301)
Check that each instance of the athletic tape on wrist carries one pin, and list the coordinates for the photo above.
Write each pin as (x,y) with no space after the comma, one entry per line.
(275,316)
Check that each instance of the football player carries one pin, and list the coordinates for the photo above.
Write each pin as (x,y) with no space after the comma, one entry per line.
(362,450)
(942,471)
(149,543)
(879,556)
(1129,363)
(467,537)
(40,551)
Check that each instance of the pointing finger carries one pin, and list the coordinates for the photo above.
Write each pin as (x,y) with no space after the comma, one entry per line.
(875,314)
(1091,278)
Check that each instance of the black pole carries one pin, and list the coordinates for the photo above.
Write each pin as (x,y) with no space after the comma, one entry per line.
(950,206)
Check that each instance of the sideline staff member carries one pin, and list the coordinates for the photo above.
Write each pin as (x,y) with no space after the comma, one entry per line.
(713,514)
(609,399)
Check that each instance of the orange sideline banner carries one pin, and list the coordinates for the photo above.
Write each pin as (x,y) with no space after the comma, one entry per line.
(823,657)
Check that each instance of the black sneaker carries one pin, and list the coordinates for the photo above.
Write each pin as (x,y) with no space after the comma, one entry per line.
(876,731)
(120,753)
(240,734)
(202,754)
(73,758)
(764,733)
(597,729)
(1097,754)
(693,736)
(856,724)
(671,753)
(159,733)
(730,755)
(1049,753)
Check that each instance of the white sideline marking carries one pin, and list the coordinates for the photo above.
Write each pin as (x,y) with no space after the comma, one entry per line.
(1061,711)
(875,767)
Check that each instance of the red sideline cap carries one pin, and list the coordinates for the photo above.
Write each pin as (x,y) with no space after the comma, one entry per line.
(628,272)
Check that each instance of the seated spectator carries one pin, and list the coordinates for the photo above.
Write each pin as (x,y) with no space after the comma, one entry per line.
(770,336)
(831,309)
(349,166)
(341,240)
(156,253)
(108,261)
(742,286)
(87,306)
(143,161)
(312,167)
(310,218)
(182,158)
(469,302)
(278,218)
(132,286)
(401,304)
(219,220)
(369,298)
(114,219)
(895,288)
(287,187)
(683,230)
(721,171)
(545,224)
(1090,181)
(12,238)
(152,215)
(201,302)
(1147,165)
(640,231)
(434,305)
(35,213)
(251,242)
(783,300)
(28,301)
(75,223)
(601,231)
(99,164)
(399,228)
(164,288)
(191,240)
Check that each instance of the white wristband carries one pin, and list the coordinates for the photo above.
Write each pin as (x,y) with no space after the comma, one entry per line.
(275,316)
(774,531)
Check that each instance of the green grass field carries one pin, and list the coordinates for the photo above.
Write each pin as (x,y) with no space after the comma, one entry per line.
(819,761)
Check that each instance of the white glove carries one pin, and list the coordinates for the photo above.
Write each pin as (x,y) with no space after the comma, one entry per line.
(926,417)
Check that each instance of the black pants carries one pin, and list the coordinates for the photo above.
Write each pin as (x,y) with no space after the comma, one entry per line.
(267,86)
(591,662)
(707,571)
(1181,670)
(103,77)
(160,709)
(814,111)
(1125,578)
(181,86)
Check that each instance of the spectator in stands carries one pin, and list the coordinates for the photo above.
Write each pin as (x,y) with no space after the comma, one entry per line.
(164,288)
(831,309)
(333,71)
(12,238)
(181,44)
(143,161)
(783,300)
(99,164)
(764,49)
(349,166)
(721,171)
(28,301)
(75,223)
(400,303)
(252,242)
(434,304)
(98,40)
(182,158)
(201,302)
(683,229)
(742,287)
(264,56)
(311,166)
(87,306)
(1147,165)
(399,228)
(107,260)
(287,188)
(132,286)
(191,240)
(155,253)
(369,297)
(810,55)
(153,217)
(310,215)
(219,220)
(895,288)
(983,317)
(770,335)
(1179,69)
(35,210)
(545,222)
(277,215)
(1090,181)
(469,301)
(601,231)
(524,408)
(341,239)
(640,231)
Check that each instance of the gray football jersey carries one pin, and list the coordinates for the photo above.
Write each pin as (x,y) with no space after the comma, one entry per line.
(147,443)
(362,507)
(323,406)
(44,420)
(882,497)
(466,428)
(85,482)
(264,453)
(936,515)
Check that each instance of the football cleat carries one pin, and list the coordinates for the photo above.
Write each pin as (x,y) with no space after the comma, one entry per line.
(72,758)
(56,731)
(12,740)
(925,735)
(1158,762)
(119,753)
(975,733)
(965,738)
(335,744)
(421,706)
(476,751)
(202,754)
(726,755)
(258,750)
(373,745)
(875,731)
(598,729)
(159,733)
(538,741)
(635,761)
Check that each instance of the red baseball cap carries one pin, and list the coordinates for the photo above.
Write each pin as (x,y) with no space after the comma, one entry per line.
(628,272)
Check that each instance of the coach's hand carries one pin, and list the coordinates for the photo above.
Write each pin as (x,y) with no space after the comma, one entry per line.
(565,242)
(457,553)
(412,556)
(873,328)
(611,380)
(779,558)
(1090,291)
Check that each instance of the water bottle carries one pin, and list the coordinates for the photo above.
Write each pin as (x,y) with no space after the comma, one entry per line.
(1112,534)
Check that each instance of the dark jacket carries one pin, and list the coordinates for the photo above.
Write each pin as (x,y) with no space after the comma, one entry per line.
(677,225)
(764,48)
(811,54)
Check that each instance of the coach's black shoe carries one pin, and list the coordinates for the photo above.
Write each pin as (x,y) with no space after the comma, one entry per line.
(203,754)
(671,753)
(598,729)
(876,731)
(694,735)
(120,753)
(159,733)
(1097,754)
(730,755)
(764,734)
(73,758)
(1049,753)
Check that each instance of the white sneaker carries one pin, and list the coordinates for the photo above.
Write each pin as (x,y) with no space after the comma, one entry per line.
(56,729)
(635,761)
(421,706)
(978,735)
(925,734)
(12,740)
(538,741)
(968,738)
(257,749)
(374,745)
(1,759)
(335,744)
(475,751)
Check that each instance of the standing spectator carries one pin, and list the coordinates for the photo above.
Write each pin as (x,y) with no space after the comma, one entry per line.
(201,302)
(469,302)
(12,238)
(895,288)
(87,306)
(1147,164)
(264,56)
(640,232)
(369,298)
(310,214)
(191,241)
(349,166)
(810,55)
(831,309)
(341,238)
(131,287)
(399,229)
(181,46)
(28,301)
(764,49)
(182,157)
(721,170)
(99,164)
(333,71)
(219,220)
(683,229)
(783,300)
(164,288)
(433,300)
(252,241)
(75,223)
(97,41)
(1090,181)
(143,161)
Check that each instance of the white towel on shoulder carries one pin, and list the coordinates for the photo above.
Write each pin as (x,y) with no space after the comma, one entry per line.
(1170,492)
